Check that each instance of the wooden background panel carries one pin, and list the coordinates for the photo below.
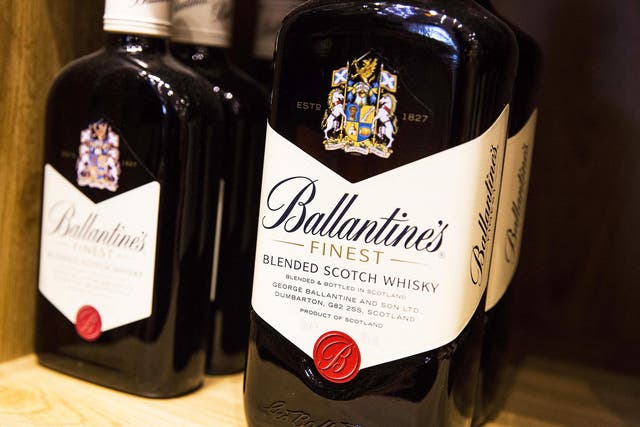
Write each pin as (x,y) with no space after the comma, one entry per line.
(578,285)
(37,38)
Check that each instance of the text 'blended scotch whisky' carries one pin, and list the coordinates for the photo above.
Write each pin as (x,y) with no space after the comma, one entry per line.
(201,37)
(129,136)
(383,164)
(498,360)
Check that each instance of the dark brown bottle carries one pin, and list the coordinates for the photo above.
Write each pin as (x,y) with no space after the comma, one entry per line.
(201,36)
(269,16)
(130,134)
(382,167)
(498,362)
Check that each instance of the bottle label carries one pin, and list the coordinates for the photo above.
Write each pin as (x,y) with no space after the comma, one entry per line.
(269,20)
(368,263)
(147,17)
(202,22)
(216,242)
(97,254)
(513,201)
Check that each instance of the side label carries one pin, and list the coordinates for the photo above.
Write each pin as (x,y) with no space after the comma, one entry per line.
(373,262)
(513,201)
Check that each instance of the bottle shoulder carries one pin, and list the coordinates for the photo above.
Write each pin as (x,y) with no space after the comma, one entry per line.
(246,82)
(232,87)
(528,47)
(460,27)
(245,89)
(237,90)
(156,78)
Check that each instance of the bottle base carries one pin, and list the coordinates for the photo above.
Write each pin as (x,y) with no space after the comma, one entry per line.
(113,379)
(227,366)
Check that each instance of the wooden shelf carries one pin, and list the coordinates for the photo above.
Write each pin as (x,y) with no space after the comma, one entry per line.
(545,394)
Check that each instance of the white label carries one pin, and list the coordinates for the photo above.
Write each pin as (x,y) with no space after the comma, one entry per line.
(98,254)
(149,17)
(216,242)
(269,19)
(513,201)
(404,251)
(202,22)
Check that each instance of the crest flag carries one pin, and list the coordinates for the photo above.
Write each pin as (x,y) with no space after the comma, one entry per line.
(340,76)
(388,81)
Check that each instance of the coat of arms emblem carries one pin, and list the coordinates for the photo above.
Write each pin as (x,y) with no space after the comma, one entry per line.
(360,117)
(98,164)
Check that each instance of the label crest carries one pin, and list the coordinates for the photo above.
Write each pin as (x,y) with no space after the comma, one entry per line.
(98,164)
(361,106)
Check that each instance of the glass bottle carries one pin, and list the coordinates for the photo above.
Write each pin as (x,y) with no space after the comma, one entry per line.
(201,37)
(270,14)
(382,170)
(129,135)
(498,362)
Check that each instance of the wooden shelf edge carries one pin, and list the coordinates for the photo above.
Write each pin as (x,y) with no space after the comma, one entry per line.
(545,394)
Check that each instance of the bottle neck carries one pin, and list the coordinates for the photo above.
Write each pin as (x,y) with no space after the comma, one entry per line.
(202,22)
(148,17)
(136,44)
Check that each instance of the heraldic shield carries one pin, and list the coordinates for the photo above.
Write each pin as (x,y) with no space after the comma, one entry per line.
(98,164)
(361,111)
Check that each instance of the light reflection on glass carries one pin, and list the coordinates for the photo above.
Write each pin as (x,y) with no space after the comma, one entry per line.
(309,372)
(399,10)
(163,89)
(433,32)
(155,80)
(139,63)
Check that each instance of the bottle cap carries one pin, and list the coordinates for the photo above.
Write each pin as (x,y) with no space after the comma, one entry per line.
(202,22)
(147,17)
(270,16)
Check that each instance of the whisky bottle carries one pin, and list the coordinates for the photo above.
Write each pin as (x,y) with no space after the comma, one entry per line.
(383,162)
(201,38)
(498,361)
(129,135)
(270,14)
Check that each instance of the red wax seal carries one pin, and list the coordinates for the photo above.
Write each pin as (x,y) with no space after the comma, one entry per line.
(88,323)
(337,357)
